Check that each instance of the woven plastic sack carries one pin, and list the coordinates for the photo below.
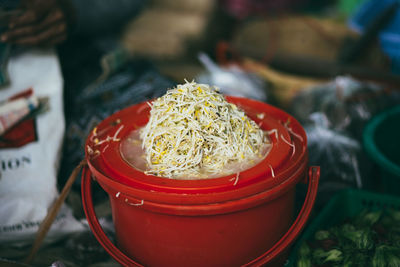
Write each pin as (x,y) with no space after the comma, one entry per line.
(30,154)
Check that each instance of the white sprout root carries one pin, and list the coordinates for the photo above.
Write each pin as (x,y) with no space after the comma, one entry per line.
(109,138)
(272,171)
(290,144)
(235,179)
(193,132)
(92,153)
(141,203)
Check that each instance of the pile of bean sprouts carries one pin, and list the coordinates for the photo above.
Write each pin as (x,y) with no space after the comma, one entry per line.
(194,133)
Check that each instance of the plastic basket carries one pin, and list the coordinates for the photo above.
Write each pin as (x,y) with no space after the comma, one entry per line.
(389,36)
(382,143)
(345,204)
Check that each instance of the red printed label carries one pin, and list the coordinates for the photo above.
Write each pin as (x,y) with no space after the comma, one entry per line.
(21,134)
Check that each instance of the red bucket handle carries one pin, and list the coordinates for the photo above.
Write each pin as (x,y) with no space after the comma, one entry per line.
(277,249)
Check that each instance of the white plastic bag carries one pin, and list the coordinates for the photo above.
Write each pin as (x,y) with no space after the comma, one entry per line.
(232,80)
(29,172)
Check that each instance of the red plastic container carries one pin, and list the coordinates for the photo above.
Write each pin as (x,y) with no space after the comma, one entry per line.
(227,221)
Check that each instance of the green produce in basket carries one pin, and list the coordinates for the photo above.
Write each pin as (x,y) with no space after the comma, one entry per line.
(386,256)
(322,235)
(304,256)
(371,238)
(360,238)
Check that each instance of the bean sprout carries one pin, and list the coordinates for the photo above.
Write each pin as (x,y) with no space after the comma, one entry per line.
(194,132)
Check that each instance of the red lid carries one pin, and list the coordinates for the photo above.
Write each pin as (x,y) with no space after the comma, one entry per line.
(104,156)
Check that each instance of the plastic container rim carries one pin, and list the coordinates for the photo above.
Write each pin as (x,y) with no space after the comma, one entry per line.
(161,184)
(369,143)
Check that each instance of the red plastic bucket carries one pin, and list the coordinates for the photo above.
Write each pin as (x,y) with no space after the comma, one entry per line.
(235,220)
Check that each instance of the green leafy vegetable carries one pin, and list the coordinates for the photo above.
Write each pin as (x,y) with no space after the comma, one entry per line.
(369,239)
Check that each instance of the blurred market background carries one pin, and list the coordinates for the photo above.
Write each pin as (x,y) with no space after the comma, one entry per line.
(334,65)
